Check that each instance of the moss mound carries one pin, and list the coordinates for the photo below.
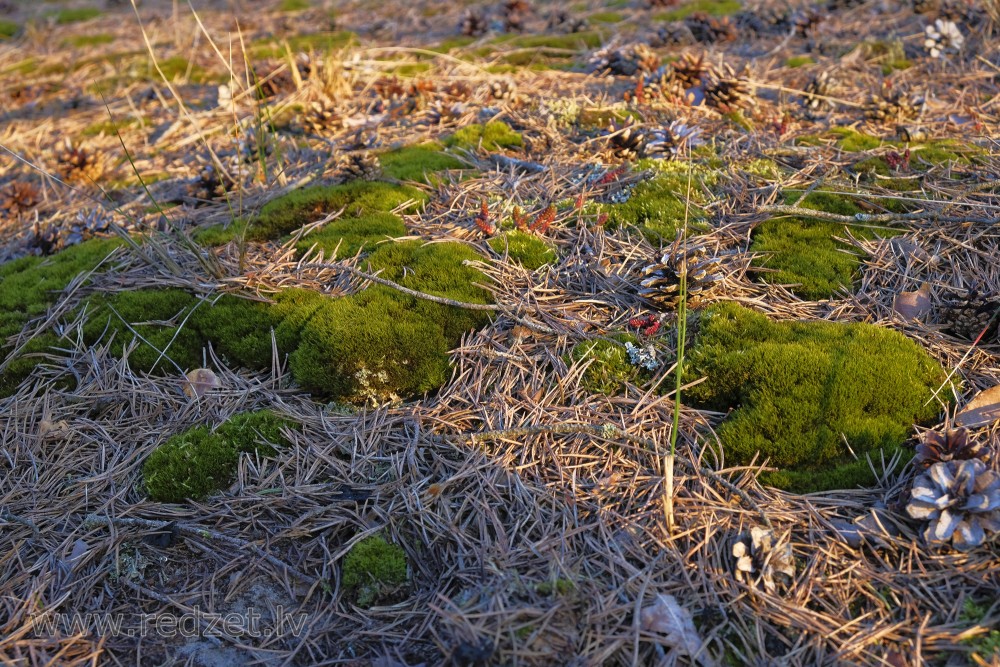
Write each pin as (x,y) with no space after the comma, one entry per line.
(804,252)
(198,462)
(492,136)
(345,237)
(528,250)
(798,390)
(656,207)
(417,163)
(375,570)
(610,369)
(28,287)
(381,345)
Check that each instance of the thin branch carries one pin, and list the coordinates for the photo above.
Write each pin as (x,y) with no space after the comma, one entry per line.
(872,218)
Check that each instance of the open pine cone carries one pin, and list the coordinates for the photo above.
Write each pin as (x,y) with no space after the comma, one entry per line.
(952,444)
(968,317)
(18,196)
(360,166)
(960,500)
(727,92)
(625,60)
(661,282)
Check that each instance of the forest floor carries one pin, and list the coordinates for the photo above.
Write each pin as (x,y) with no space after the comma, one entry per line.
(518,501)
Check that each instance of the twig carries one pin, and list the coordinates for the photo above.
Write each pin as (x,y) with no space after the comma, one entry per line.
(195,531)
(611,432)
(6,515)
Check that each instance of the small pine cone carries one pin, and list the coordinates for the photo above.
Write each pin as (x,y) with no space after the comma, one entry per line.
(564,21)
(627,60)
(952,444)
(458,90)
(78,164)
(515,13)
(805,21)
(360,166)
(474,23)
(726,92)
(18,196)
(711,29)
(763,21)
(504,90)
(943,38)
(211,183)
(888,105)
(661,282)
(691,70)
(319,118)
(671,34)
(969,317)
(924,6)
(627,141)
(842,5)
(666,142)
(665,84)
(48,240)
(817,89)
(438,113)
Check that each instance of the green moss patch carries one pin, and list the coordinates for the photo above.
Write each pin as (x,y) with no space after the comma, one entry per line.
(374,571)
(804,253)
(492,136)
(76,15)
(710,7)
(196,463)
(417,163)
(799,61)
(320,42)
(294,5)
(8,29)
(799,390)
(345,237)
(527,249)
(83,41)
(656,207)
(609,369)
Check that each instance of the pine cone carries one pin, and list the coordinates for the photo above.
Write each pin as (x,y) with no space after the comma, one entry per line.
(18,196)
(924,6)
(48,240)
(504,90)
(764,21)
(952,444)
(627,60)
(835,5)
(662,281)
(960,500)
(666,142)
(360,166)
(564,21)
(967,318)
(319,118)
(817,88)
(627,141)
(665,84)
(759,558)
(943,38)
(690,70)
(727,92)
(671,34)
(889,105)
(76,163)
(210,184)
(805,21)
(474,23)
(711,29)
(514,14)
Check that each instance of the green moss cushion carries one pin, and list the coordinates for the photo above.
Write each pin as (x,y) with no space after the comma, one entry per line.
(345,237)
(799,390)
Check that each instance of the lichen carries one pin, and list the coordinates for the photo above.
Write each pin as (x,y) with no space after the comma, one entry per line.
(609,369)
(811,398)
(198,462)
(527,249)
(375,570)
(491,137)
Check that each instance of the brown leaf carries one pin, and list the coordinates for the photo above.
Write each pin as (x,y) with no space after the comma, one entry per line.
(982,410)
(913,305)
(199,382)
(674,624)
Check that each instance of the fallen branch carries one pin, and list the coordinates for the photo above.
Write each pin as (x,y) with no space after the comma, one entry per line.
(872,218)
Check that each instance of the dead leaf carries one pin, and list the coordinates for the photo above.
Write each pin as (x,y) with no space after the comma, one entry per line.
(913,305)
(199,382)
(982,410)
(674,624)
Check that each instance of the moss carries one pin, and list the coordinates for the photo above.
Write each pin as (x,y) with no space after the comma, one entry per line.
(294,5)
(286,214)
(374,570)
(799,61)
(190,465)
(607,17)
(82,41)
(345,237)
(319,42)
(804,253)
(527,249)
(416,163)
(381,345)
(560,587)
(153,319)
(656,207)
(113,127)
(763,167)
(492,136)
(30,356)
(854,141)
(177,68)
(610,369)
(28,286)
(805,395)
(710,7)
(8,29)
(986,645)
(75,15)
(452,43)
(198,462)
